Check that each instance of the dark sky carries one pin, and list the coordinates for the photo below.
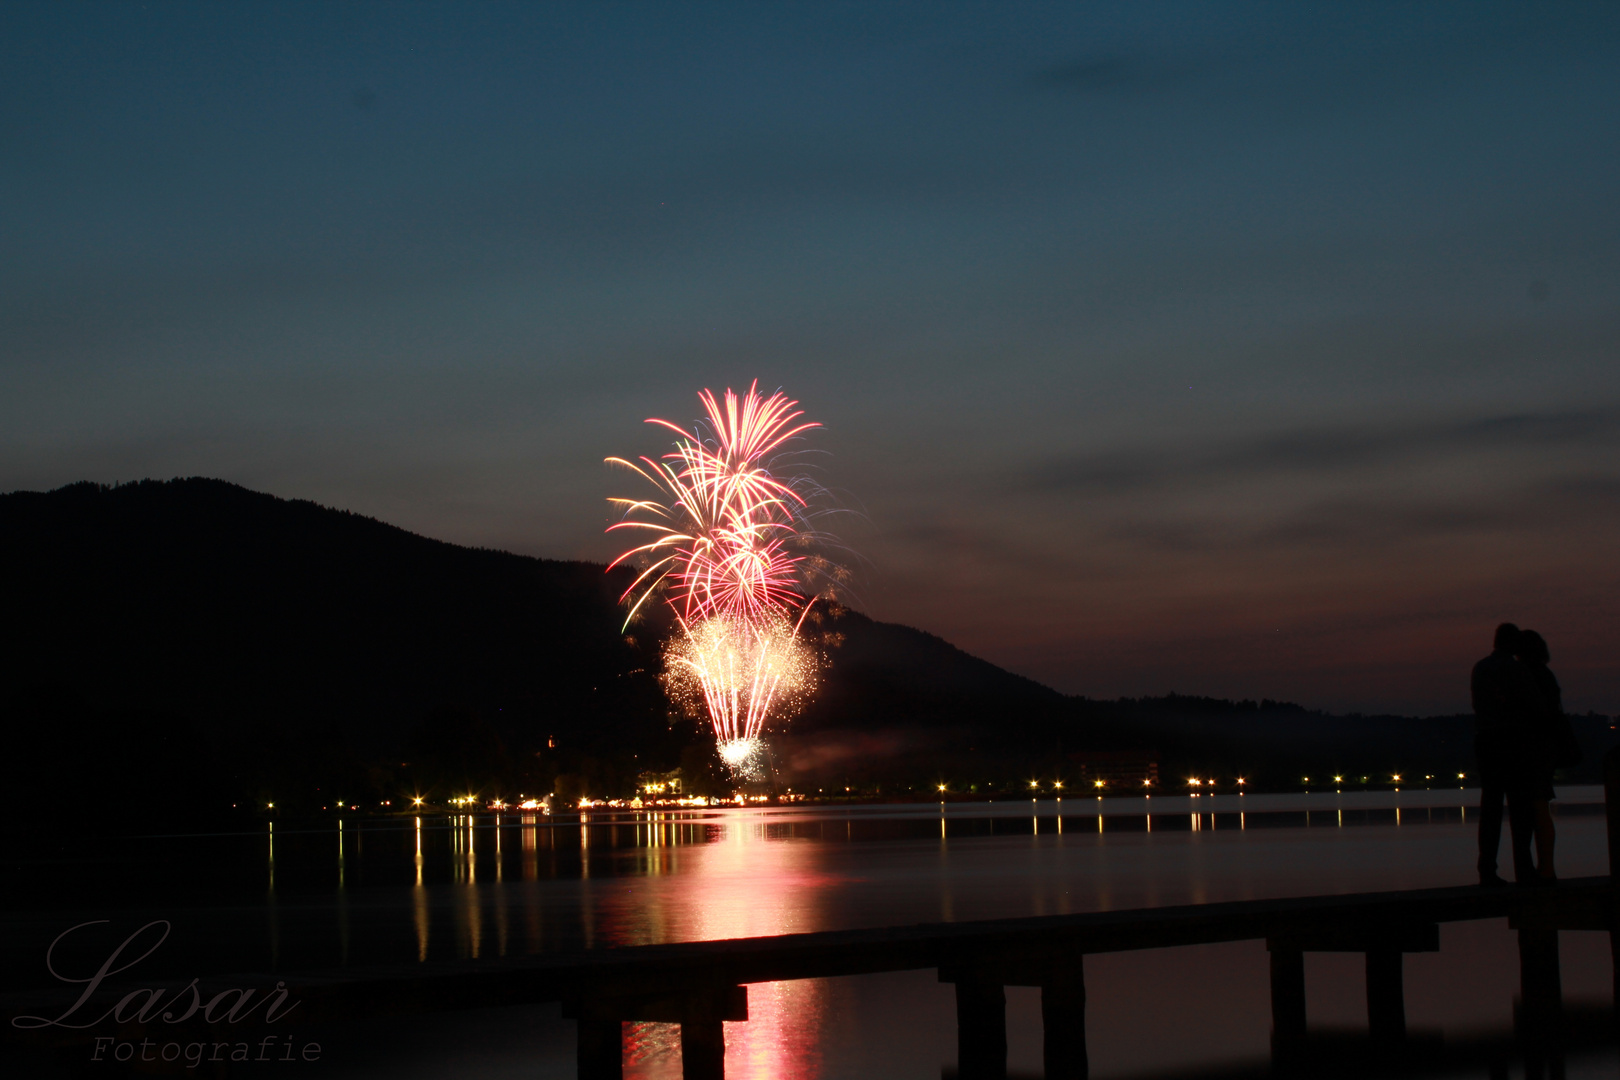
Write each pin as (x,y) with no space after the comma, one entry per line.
(1251,350)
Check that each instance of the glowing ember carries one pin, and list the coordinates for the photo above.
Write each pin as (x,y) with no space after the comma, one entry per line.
(724,545)
(743,671)
(737,752)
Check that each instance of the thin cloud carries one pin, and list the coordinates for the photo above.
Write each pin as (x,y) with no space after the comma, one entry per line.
(1313,451)
(1574,501)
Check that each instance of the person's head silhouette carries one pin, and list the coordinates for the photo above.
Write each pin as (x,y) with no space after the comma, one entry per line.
(1507,638)
(1533,648)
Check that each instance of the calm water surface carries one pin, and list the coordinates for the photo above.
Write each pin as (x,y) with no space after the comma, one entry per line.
(485,885)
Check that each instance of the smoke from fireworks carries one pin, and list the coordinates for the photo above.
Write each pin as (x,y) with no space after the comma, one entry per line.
(722,544)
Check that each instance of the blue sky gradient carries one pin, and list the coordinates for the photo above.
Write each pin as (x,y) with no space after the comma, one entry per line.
(1262,349)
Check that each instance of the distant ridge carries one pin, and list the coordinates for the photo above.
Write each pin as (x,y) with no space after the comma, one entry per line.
(191,641)
(206,598)
(291,642)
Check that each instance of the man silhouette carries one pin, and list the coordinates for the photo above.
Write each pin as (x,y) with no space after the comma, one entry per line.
(1504,715)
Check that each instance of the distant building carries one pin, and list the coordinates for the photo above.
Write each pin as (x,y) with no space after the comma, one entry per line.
(1118,770)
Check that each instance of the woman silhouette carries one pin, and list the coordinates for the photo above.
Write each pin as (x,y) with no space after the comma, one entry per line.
(1548,721)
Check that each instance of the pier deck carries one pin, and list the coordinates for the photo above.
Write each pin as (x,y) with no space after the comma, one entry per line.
(702,984)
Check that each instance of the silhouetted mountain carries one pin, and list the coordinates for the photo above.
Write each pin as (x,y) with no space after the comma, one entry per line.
(280,629)
(287,643)
(175,646)
(904,706)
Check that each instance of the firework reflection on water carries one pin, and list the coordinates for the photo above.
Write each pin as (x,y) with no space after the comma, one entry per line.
(740,883)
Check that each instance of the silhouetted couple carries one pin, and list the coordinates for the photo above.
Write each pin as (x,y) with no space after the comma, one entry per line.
(1521,734)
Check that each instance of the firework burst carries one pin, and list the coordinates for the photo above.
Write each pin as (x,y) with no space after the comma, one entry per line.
(724,544)
(744,671)
(722,532)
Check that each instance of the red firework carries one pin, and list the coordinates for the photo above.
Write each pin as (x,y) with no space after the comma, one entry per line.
(722,534)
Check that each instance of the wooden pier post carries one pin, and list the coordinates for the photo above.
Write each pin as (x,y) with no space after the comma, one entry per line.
(1384,944)
(601,1049)
(981,1030)
(1386,995)
(1287,995)
(981,1010)
(1541,1010)
(703,1040)
(1063,1023)
(700,1010)
(1539,979)
(1611,806)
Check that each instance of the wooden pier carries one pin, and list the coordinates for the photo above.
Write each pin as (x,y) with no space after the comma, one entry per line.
(702,984)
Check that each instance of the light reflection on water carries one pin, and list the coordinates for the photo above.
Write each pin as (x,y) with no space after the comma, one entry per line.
(478,886)
(683,876)
(645,877)
(750,886)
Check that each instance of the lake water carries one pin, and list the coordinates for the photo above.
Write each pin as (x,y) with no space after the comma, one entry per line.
(478,886)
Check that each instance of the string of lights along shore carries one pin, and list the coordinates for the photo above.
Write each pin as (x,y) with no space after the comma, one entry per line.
(729,543)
